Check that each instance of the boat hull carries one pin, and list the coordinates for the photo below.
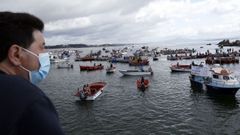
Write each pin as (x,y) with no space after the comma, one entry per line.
(53,61)
(90,68)
(110,70)
(155,58)
(196,81)
(67,67)
(134,73)
(196,84)
(94,96)
(180,68)
(222,90)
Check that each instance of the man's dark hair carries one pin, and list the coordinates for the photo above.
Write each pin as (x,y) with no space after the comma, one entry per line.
(17,28)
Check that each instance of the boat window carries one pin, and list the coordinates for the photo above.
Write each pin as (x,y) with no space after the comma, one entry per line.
(225,78)
(215,76)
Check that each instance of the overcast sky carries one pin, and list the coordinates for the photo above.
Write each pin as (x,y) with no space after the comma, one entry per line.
(131,21)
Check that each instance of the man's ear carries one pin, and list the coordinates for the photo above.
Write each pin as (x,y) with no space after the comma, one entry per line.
(14,55)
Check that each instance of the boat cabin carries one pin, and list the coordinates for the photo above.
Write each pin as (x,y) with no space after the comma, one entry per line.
(222,75)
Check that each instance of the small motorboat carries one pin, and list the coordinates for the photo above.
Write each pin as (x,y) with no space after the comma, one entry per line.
(142,85)
(64,65)
(91,68)
(139,62)
(180,68)
(135,72)
(110,70)
(91,91)
(57,60)
(87,58)
(155,58)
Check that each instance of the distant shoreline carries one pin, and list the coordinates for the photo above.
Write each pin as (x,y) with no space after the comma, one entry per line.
(222,43)
(83,46)
(226,42)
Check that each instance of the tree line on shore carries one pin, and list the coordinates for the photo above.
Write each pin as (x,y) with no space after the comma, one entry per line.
(80,46)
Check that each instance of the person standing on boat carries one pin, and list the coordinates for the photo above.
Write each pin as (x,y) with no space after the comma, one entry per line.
(150,69)
(193,64)
(142,80)
(86,89)
(141,68)
(25,109)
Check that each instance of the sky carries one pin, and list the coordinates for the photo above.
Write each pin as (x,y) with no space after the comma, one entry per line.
(131,21)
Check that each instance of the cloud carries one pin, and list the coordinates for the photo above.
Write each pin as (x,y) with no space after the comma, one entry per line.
(66,24)
(122,21)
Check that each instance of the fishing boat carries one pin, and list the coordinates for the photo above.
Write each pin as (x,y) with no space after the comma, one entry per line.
(142,85)
(180,68)
(91,91)
(64,65)
(91,68)
(87,58)
(138,62)
(221,80)
(155,58)
(198,75)
(120,60)
(135,72)
(110,70)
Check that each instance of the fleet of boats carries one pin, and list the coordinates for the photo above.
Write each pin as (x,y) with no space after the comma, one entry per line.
(213,78)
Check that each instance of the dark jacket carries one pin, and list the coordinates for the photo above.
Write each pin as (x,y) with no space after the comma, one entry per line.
(25,109)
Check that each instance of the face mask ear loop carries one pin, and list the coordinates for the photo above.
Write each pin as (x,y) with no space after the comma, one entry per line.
(29,75)
(30,52)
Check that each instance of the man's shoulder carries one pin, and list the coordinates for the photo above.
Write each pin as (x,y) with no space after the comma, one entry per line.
(15,87)
(15,81)
(26,108)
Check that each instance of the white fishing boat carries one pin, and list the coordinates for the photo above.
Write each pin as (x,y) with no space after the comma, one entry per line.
(216,80)
(64,65)
(110,70)
(135,72)
(57,60)
(54,58)
(91,91)
(222,80)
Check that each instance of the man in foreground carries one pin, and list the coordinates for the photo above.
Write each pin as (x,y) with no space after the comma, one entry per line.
(25,109)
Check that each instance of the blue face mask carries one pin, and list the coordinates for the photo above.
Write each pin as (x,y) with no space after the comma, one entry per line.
(40,74)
